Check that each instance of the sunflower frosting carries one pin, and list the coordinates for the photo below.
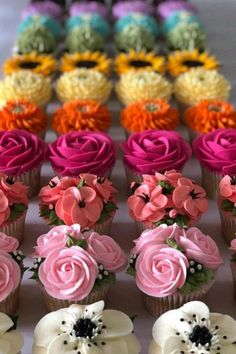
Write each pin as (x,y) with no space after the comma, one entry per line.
(149,114)
(138,61)
(81,115)
(88,60)
(37,63)
(181,61)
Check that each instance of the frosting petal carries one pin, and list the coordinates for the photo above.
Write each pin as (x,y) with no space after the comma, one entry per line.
(16,342)
(5,323)
(227,326)
(117,324)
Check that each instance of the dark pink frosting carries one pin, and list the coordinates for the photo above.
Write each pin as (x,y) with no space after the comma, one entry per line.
(217,151)
(82,152)
(155,151)
(124,8)
(20,151)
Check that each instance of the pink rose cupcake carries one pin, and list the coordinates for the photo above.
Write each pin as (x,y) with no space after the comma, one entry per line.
(21,156)
(233,265)
(13,207)
(166,199)
(172,266)
(215,152)
(154,151)
(82,152)
(87,200)
(76,267)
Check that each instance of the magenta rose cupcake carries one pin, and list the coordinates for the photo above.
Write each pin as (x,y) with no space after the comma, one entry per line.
(172,266)
(166,199)
(167,8)
(233,265)
(82,152)
(154,151)
(124,8)
(88,200)
(21,157)
(48,8)
(89,7)
(216,153)
(13,207)
(76,267)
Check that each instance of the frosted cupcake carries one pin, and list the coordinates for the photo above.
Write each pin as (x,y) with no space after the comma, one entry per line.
(172,266)
(21,157)
(148,22)
(177,17)
(94,21)
(85,328)
(50,24)
(87,8)
(215,152)
(10,337)
(87,200)
(123,8)
(82,152)
(83,84)
(166,199)
(192,328)
(134,86)
(167,8)
(154,151)
(76,267)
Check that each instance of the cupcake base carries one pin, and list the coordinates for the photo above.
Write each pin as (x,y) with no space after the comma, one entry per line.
(228,226)
(233,270)
(181,109)
(140,226)
(15,228)
(210,182)
(10,305)
(132,177)
(32,180)
(192,135)
(104,228)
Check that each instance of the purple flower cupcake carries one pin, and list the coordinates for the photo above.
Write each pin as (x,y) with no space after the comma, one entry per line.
(165,9)
(48,8)
(90,7)
(124,8)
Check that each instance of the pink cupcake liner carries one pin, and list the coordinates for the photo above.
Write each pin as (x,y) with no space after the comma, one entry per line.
(15,228)
(10,305)
(210,182)
(32,180)
(233,270)
(228,225)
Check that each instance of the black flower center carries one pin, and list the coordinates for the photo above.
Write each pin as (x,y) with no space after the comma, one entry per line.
(29,64)
(101,180)
(135,186)
(192,63)
(233,181)
(10,180)
(139,63)
(145,197)
(194,194)
(214,108)
(82,203)
(88,64)
(84,328)
(200,335)
(52,184)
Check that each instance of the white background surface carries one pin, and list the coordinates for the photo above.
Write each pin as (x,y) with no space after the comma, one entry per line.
(219,19)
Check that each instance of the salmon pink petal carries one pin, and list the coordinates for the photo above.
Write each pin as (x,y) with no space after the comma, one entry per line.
(191,207)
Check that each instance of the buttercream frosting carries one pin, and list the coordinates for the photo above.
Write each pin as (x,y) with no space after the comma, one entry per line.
(10,275)
(95,21)
(84,38)
(147,22)
(167,8)
(176,17)
(123,8)
(11,341)
(227,199)
(7,243)
(187,36)
(48,22)
(88,7)
(49,8)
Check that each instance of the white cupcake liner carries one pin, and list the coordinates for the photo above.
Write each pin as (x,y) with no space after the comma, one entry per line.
(15,228)
(210,182)
(10,305)
(228,225)
(233,270)
(31,179)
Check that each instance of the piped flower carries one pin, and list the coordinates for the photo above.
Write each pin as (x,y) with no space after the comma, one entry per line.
(11,341)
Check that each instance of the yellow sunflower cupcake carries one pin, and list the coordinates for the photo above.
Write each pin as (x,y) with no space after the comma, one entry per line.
(28,85)
(83,84)
(139,61)
(135,86)
(38,63)
(87,60)
(180,62)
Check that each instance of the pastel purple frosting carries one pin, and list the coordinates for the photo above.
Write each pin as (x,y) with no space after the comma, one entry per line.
(165,9)
(82,152)
(48,8)
(217,151)
(155,151)
(91,7)
(20,151)
(124,8)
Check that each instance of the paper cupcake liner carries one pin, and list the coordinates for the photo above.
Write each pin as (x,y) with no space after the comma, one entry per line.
(192,134)
(210,182)
(140,226)
(107,174)
(181,109)
(10,305)
(132,176)
(32,180)
(104,228)
(54,304)
(157,306)
(233,270)
(15,228)
(228,226)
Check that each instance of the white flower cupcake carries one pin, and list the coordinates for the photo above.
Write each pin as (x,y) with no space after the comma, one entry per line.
(11,341)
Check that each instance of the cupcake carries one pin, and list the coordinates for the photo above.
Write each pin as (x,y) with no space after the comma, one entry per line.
(81,115)
(215,152)
(142,85)
(10,337)
(149,115)
(82,152)
(192,328)
(148,22)
(86,328)
(38,8)
(23,114)
(172,266)
(154,151)
(88,7)
(167,8)
(127,7)
(137,61)
(21,157)
(94,21)
(88,60)
(87,200)
(83,84)
(226,205)
(76,267)
(209,115)
(199,84)
(166,199)
(233,264)
(28,85)
(176,18)
(51,25)
(83,39)
(182,61)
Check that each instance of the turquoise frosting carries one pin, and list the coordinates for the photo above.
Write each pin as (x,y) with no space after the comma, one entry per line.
(52,25)
(176,17)
(96,22)
(148,22)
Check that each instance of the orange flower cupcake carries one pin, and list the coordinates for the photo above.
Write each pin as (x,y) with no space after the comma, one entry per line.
(209,115)
(23,114)
(148,115)
(81,115)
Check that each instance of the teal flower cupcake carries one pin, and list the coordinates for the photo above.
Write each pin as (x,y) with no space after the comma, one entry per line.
(52,25)
(82,39)
(96,22)
(148,22)
(178,17)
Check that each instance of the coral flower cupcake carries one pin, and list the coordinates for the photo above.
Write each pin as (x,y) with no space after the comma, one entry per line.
(86,275)
(87,200)
(215,152)
(23,114)
(149,115)
(172,266)
(81,115)
(9,335)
